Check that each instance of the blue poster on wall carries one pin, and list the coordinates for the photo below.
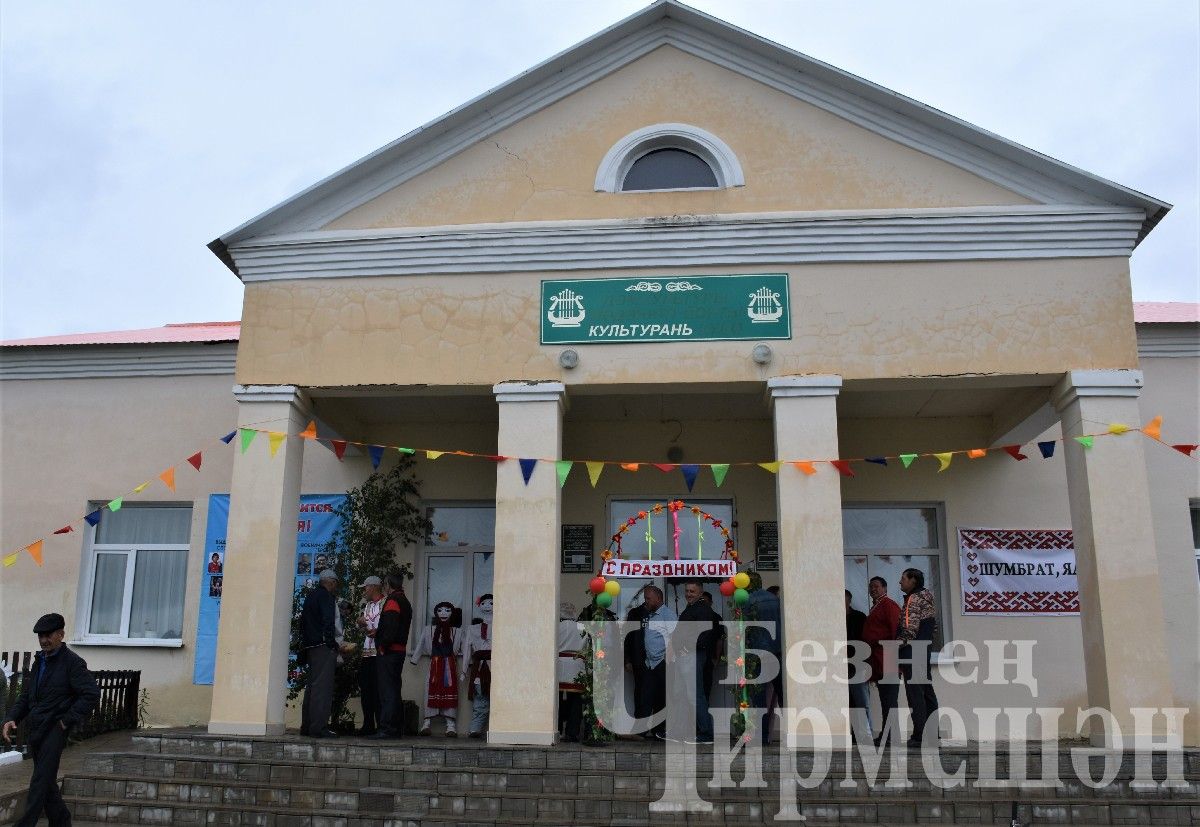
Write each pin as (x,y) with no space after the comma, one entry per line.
(315,527)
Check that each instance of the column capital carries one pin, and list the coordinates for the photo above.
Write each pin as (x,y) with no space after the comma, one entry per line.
(532,391)
(270,393)
(1092,383)
(814,384)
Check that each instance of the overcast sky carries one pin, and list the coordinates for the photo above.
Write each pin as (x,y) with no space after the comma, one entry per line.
(135,133)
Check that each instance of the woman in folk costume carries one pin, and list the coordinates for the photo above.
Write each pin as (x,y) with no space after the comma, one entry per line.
(477,666)
(440,642)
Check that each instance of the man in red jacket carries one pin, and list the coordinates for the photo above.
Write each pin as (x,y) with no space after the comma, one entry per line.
(391,640)
(881,624)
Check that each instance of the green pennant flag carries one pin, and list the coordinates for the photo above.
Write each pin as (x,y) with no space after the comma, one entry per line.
(406,450)
(719,472)
(248,435)
(116,504)
(1085,441)
(563,467)
(907,459)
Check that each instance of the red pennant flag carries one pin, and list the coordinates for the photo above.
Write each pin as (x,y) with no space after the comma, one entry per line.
(665,467)
(65,530)
(495,457)
(339,447)
(843,467)
(195,460)
(1014,451)
(1186,450)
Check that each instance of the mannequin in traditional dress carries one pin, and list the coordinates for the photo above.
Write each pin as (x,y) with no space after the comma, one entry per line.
(477,665)
(441,643)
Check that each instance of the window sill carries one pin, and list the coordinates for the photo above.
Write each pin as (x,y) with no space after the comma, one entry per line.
(138,643)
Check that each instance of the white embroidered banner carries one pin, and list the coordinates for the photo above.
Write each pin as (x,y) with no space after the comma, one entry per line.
(1018,572)
(669,568)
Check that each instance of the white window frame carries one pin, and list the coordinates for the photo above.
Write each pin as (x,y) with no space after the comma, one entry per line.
(424,552)
(1193,507)
(610,175)
(91,551)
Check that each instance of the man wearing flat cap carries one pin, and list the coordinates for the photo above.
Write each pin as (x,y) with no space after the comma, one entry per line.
(58,694)
(318,640)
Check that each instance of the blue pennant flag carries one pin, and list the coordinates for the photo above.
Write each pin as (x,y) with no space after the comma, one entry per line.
(1047,449)
(878,460)
(93,519)
(689,474)
(376,452)
(229,437)
(527,468)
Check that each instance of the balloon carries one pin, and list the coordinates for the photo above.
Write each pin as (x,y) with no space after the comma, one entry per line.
(727,588)
(613,588)
(741,597)
(741,580)
(604,600)
(597,585)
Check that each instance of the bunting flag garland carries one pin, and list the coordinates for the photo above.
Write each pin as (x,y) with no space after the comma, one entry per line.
(977,453)
(35,551)
(375,452)
(1014,451)
(1085,441)
(690,472)
(194,460)
(806,468)
(907,459)
(10,560)
(433,454)
(115,505)
(276,438)
(1118,428)
(562,467)
(141,488)
(1184,449)
(630,466)
(527,468)
(719,471)
(408,451)
(773,467)
(1154,429)
(168,478)
(665,467)
(843,467)
(65,530)
(944,460)
(594,470)
(877,460)
(310,430)
(93,519)
(1047,449)
(228,438)
(339,448)
(248,435)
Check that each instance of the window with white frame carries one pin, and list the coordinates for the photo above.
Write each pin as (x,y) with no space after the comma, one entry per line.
(459,557)
(666,157)
(136,575)
(1195,508)
(883,541)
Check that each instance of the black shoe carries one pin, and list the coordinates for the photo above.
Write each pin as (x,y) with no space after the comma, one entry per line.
(366,733)
(380,735)
(913,743)
(324,733)
(569,739)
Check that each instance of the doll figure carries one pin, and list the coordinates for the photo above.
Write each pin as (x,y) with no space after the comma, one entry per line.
(441,642)
(477,665)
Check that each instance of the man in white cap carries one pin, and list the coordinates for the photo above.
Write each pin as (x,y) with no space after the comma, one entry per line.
(318,641)
(368,671)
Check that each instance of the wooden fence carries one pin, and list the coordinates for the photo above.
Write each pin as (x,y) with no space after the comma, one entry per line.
(116,709)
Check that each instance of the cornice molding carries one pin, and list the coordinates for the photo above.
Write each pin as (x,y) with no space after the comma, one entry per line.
(98,361)
(1169,340)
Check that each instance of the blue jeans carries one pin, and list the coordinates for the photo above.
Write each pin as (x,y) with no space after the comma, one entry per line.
(860,698)
(704,722)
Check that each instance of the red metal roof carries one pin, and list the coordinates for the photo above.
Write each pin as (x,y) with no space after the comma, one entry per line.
(1166,312)
(167,334)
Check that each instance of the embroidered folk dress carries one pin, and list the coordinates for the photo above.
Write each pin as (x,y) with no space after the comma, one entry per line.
(441,690)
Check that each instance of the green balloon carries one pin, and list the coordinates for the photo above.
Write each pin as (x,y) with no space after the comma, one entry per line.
(741,597)
(604,600)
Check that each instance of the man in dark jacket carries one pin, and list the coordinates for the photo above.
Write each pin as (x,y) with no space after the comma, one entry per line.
(859,697)
(698,610)
(318,640)
(58,694)
(391,641)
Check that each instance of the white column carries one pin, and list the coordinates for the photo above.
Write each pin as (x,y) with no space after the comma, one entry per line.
(811,571)
(250,684)
(1120,598)
(525,646)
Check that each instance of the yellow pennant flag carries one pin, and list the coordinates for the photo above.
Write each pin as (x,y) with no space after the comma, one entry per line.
(35,551)
(1118,428)
(311,431)
(976,453)
(141,488)
(168,478)
(433,454)
(274,440)
(11,560)
(594,471)
(806,467)
(944,460)
(1154,429)
(773,467)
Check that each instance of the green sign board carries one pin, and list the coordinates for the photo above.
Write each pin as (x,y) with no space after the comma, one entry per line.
(666,309)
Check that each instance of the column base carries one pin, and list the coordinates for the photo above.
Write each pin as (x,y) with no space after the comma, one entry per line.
(526,739)
(244,728)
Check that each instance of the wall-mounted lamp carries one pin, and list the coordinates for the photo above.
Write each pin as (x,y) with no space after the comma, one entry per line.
(761,354)
(568,359)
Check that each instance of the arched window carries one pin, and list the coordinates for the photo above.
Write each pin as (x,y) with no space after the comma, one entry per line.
(668,156)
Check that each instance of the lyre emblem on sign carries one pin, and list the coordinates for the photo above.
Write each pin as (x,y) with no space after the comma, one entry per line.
(764,306)
(566,309)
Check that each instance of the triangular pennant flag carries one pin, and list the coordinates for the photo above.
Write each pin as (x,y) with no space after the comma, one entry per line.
(1154,429)
(248,435)
(339,448)
(1185,449)
(594,471)
(527,468)
(977,453)
(907,459)
(665,467)
(878,460)
(843,467)
(492,457)
(376,454)
(228,438)
(630,466)
(274,440)
(141,488)
(115,505)
(65,530)
(1086,441)
(1118,428)
(407,450)
(719,471)
(805,467)
(1014,451)
(433,454)
(11,560)
(310,432)
(773,467)
(93,519)
(944,460)
(562,467)
(168,478)
(1047,448)
(194,460)
(689,474)
(35,551)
